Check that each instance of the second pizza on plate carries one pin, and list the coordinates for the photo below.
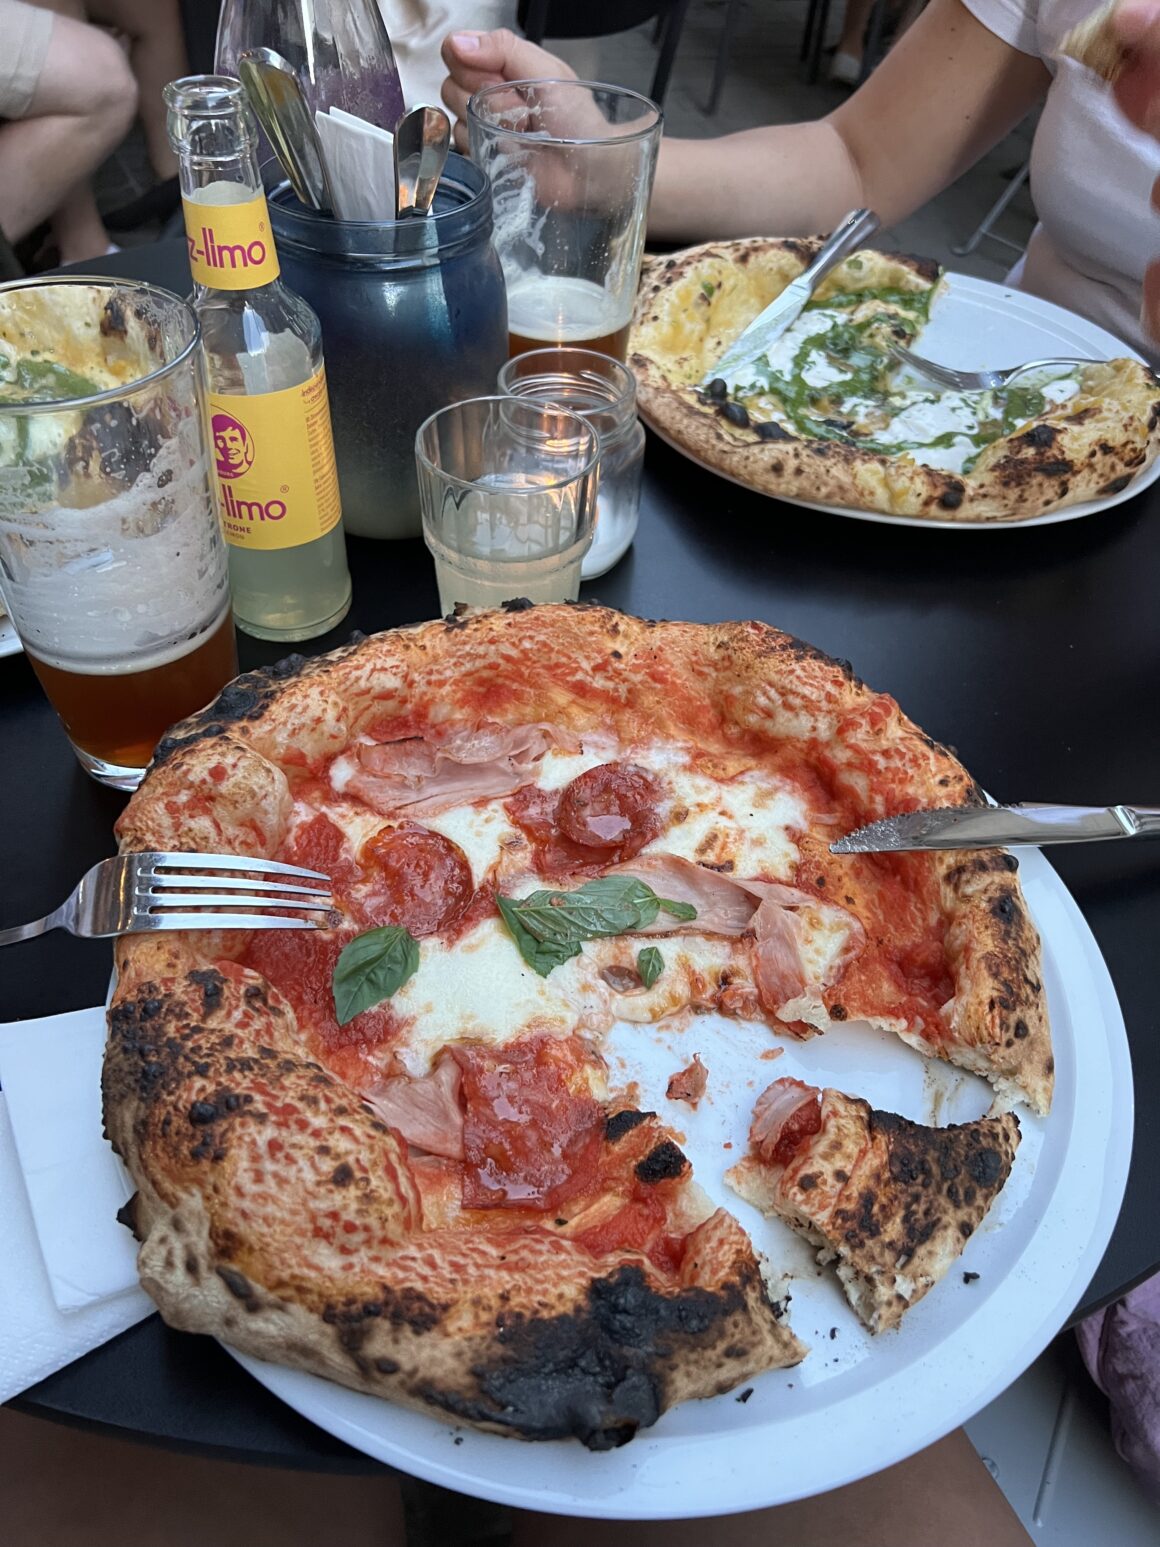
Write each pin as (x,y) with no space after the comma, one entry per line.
(828,416)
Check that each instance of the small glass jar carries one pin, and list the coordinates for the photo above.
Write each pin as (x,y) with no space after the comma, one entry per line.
(601,391)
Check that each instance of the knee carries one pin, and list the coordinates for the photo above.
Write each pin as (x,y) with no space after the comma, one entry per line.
(112,97)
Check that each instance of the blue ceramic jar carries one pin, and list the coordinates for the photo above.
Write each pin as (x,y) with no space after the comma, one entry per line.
(414,316)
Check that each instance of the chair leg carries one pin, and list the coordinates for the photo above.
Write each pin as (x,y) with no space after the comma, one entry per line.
(873,39)
(673,25)
(994,215)
(818,40)
(537,21)
(724,48)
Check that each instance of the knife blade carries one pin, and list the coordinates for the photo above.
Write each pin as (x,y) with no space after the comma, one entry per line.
(784,310)
(987,827)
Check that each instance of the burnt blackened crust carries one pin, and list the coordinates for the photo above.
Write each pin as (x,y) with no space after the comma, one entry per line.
(620,1123)
(965,1165)
(597,1374)
(661,1164)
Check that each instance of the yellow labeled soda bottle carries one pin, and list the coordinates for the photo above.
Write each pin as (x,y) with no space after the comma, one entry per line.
(262,346)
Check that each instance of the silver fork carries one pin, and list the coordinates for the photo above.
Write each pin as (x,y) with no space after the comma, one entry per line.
(970,381)
(131,893)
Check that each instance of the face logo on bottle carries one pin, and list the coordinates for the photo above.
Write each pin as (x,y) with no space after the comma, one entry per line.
(232,446)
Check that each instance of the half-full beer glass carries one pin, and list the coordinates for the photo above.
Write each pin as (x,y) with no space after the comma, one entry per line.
(112,563)
(571,167)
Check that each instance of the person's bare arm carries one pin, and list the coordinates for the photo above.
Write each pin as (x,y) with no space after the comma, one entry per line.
(943,96)
(946,93)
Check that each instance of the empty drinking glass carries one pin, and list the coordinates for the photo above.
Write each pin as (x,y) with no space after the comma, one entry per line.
(571,166)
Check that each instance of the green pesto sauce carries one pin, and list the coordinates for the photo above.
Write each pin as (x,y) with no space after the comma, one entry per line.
(858,349)
(42,381)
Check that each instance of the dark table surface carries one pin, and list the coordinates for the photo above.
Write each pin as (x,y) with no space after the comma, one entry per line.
(1034,652)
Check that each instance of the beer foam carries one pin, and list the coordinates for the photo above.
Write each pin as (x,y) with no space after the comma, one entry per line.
(127,580)
(561,310)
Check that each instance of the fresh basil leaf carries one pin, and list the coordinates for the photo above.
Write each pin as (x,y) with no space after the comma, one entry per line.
(539,954)
(650,964)
(609,905)
(549,926)
(372,967)
(708,289)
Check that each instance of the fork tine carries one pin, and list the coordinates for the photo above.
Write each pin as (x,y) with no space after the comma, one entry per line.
(157,900)
(225,883)
(274,867)
(227,921)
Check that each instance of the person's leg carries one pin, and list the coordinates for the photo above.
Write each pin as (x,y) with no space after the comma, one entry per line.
(943,1495)
(60,1487)
(81,108)
(846,65)
(157,54)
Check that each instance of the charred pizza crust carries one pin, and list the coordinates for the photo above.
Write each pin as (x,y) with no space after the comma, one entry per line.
(205,1064)
(693,305)
(276,1211)
(891,1202)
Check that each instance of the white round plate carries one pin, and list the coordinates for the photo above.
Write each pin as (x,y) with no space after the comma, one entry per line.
(977,325)
(9,639)
(856,1404)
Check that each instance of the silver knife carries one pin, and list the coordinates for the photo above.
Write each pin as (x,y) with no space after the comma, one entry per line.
(768,326)
(988,827)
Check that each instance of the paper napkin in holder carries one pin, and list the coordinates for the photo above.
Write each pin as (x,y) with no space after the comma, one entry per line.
(360,162)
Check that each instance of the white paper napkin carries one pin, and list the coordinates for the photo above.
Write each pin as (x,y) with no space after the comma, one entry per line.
(360,162)
(36,1338)
(50,1071)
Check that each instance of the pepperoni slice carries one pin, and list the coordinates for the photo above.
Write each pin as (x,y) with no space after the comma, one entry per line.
(416,878)
(613,808)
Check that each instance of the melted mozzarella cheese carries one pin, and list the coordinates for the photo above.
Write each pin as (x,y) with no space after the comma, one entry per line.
(480,831)
(745,822)
(480,989)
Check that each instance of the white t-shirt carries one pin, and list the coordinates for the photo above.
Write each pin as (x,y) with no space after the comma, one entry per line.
(1091,179)
(417,29)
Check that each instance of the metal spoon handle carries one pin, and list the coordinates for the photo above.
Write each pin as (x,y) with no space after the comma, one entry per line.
(277,99)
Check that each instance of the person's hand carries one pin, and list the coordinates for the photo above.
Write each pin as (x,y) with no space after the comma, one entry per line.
(1137,25)
(478,59)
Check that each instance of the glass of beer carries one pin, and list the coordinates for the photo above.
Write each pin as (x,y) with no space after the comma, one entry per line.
(112,563)
(508,492)
(571,167)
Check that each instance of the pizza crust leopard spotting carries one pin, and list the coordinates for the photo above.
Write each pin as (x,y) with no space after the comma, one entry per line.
(277,1207)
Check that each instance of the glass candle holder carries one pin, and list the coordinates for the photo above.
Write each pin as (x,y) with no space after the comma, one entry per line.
(603,393)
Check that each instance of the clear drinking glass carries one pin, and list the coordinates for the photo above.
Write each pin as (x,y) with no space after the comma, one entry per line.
(603,393)
(508,494)
(112,564)
(571,166)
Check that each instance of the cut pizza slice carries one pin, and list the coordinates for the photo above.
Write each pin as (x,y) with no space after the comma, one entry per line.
(891,1202)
